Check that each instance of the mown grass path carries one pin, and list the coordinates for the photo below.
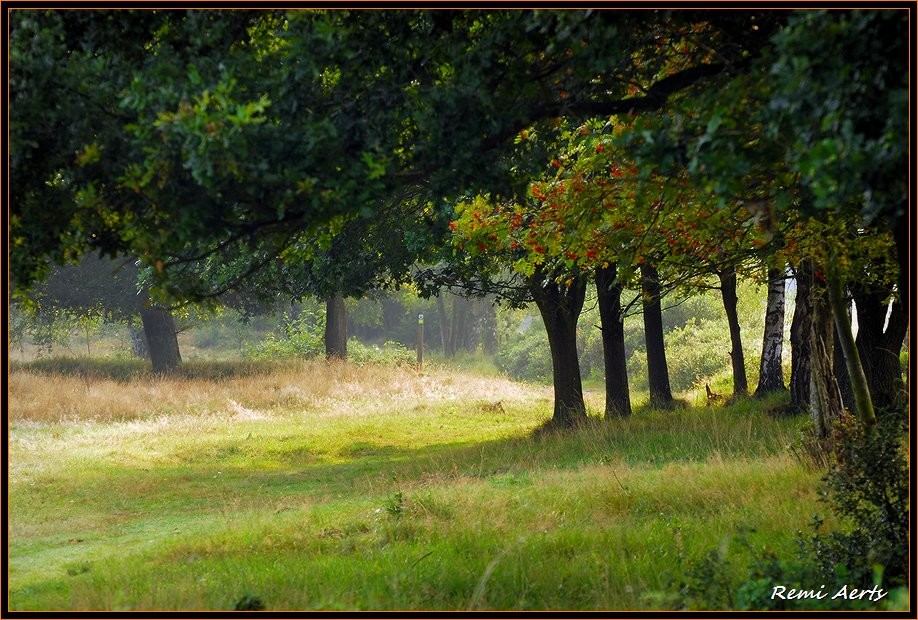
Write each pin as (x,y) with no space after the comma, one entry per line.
(314,486)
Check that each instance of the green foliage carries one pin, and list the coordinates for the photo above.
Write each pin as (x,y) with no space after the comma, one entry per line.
(302,336)
(697,349)
(52,328)
(395,505)
(525,356)
(389,354)
(249,602)
(868,486)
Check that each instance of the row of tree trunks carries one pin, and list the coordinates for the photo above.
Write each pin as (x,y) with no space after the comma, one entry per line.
(464,327)
(817,373)
(560,308)
(609,296)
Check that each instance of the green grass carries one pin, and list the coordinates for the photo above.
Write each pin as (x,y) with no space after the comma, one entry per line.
(390,500)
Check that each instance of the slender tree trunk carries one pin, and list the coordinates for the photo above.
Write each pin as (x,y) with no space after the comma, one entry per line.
(661,394)
(138,341)
(841,370)
(459,329)
(445,340)
(825,398)
(162,339)
(801,327)
(738,361)
(879,348)
(560,309)
(470,333)
(771,372)
(863,404)
(488,323)
(609,295)
(335,327)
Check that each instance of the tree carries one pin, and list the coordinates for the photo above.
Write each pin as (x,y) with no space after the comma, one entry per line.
(879,341)
(661,394)
(737,359)
(111,289)
(829,102)
(239,136)
(801,349)
(771,373)
(560,305)
(609,294)
(238,131)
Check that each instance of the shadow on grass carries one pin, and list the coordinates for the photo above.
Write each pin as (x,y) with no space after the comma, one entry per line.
(241,469)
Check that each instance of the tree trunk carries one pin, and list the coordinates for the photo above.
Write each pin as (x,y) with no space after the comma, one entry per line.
(771,372)
(801,326)
(560,309)
(162,340)
(825,398)
(737,359)
(445,339)
(661,394)
(459,329)
(863,404)
(138,342)
(841,370)
(335,328)
(488,324)
(879,348)
(609,295)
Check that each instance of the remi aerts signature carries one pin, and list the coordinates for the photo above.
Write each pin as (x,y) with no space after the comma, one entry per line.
(782,592)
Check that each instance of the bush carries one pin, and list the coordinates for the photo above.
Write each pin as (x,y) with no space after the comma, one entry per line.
(303,337)
(868,486)
(390,354)
(526,357)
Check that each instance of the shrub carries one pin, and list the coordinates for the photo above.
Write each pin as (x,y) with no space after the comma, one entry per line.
(868,486)
(526,357)
(390,354)
(303,336)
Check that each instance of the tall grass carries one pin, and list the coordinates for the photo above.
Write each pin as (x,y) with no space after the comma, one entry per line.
(325,486)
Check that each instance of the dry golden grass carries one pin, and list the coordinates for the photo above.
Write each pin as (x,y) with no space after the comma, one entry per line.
(334,388)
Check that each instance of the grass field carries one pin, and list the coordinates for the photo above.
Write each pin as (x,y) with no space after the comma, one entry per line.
(321,486)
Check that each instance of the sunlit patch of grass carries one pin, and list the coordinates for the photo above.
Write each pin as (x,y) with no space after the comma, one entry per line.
(324,486)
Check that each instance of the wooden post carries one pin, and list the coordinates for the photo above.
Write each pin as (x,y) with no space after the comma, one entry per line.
(420,341)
